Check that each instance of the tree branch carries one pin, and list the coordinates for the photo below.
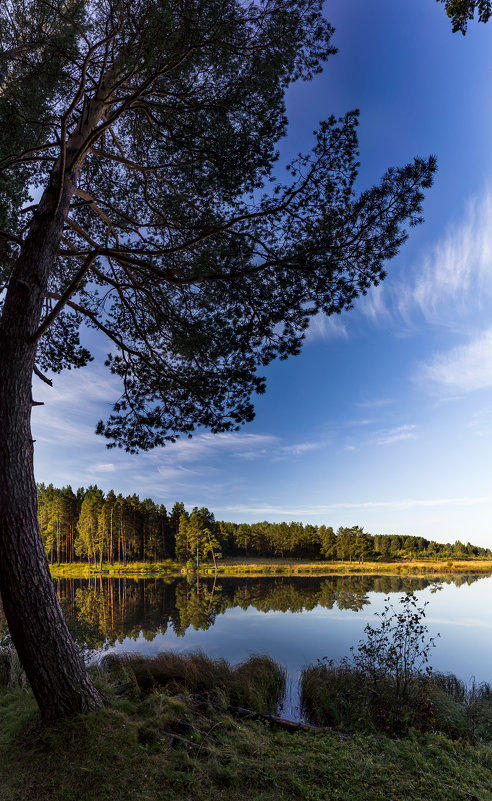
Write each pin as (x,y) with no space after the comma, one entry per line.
(10,237)
(40,375)
(92,317)
(66,295)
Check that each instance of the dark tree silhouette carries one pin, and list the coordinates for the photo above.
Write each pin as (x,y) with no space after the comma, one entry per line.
(461,12)
(148,129)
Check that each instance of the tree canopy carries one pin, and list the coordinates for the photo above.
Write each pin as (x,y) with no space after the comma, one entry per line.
(179,241)
(140,196)
(461,12)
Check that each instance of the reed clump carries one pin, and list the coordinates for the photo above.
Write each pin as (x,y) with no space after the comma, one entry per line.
(257,683)
(341,696)
(461,711)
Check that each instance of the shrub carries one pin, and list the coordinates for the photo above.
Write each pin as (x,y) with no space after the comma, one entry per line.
(396,651)
(388,684)
(384,683)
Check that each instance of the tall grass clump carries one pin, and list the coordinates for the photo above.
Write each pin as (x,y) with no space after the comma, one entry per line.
(461,711)
(257,683)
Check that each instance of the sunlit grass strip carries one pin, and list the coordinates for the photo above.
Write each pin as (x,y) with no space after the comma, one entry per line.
(271,567)
(82,570)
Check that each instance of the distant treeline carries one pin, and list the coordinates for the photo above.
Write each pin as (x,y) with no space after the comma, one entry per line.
(88,525)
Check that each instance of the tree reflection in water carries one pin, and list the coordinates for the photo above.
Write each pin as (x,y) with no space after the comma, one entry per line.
(104,611)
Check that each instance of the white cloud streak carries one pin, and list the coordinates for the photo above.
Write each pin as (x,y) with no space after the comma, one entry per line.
(300,448)
(326,328)
(396,435)
(296,512)
(206,446)
(457,271)
(450,282)
(464,369)
(377,403)
(451,287)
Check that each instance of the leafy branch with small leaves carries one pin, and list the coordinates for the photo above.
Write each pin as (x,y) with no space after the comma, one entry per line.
(397,649)
(385,684)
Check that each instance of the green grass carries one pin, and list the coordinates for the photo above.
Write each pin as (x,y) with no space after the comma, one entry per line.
(244,566)
(345,697)
(159,747)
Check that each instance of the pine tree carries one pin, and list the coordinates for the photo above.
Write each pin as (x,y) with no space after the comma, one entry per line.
(328,542)
(150,128)
(88,542)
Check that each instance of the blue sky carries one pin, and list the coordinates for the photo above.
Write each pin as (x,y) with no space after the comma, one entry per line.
(385,420)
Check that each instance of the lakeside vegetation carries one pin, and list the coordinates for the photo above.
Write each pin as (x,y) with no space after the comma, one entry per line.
(273,567)
(158,741)
(110,533)
(388,685)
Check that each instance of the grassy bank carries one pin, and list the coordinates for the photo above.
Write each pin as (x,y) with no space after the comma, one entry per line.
(269,567)
(348,698)
(153,746)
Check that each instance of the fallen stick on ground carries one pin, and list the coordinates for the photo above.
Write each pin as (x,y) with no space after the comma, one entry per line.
(288,725)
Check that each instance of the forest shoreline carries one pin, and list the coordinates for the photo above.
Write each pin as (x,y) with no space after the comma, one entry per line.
(273,567)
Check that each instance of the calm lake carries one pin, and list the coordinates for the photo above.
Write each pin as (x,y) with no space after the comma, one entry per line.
(294,620)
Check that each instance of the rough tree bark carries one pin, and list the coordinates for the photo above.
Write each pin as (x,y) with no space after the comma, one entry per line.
(55,668)
(54,665)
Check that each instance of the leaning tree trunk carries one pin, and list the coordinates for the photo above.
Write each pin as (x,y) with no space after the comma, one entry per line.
(52,661)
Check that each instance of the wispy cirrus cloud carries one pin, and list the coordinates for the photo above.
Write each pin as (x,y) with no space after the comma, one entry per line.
(463,369)
(325,328)
(376,403)
(69,450)
(206,446)
(481,422)
(451,281)
(73,405)
(456,273)
(296,512)
(105,467)
(451,286)
(297,449)
(408,431)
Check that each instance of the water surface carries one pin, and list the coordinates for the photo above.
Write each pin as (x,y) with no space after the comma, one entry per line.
(294,620)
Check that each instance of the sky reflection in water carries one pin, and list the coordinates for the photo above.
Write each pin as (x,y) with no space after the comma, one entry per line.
(460,612)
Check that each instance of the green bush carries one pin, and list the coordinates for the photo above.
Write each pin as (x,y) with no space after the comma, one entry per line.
(388,685)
